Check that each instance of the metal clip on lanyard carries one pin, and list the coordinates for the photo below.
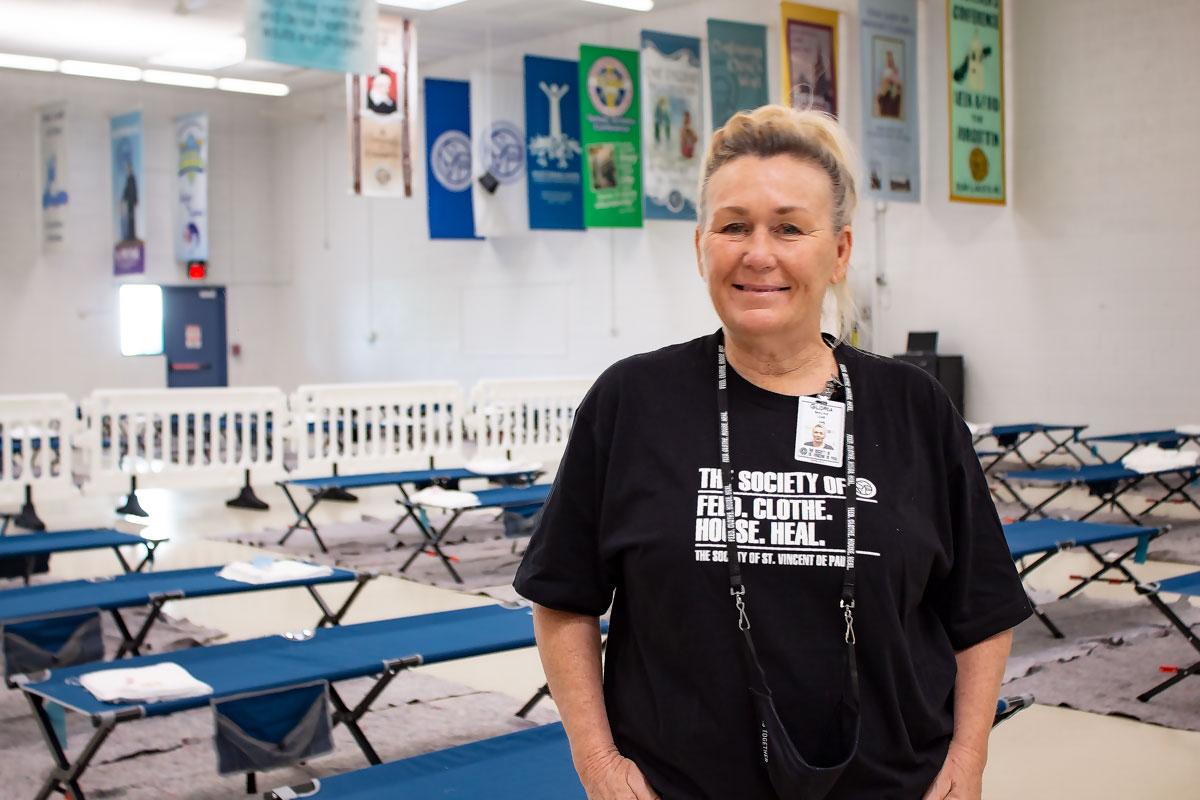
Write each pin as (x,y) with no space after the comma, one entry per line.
(737,588)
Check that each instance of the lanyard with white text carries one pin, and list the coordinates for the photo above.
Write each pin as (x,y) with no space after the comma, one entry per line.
(737,586)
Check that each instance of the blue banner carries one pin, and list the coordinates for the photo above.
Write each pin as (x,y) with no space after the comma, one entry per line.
(335,35)
(552,131)
(129,215)
(891,141)
(448,172)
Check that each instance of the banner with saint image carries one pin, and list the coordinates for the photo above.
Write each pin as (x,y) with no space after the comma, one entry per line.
(975,55)
(810,41)
(672,107)
(129,214)
(382,108)
(891,141)
(191,188)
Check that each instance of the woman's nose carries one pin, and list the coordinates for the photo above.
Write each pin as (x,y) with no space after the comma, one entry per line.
(760,253)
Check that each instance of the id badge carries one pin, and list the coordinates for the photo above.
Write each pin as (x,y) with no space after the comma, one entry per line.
(820,428)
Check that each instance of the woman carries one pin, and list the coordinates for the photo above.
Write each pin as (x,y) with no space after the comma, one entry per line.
(873,582)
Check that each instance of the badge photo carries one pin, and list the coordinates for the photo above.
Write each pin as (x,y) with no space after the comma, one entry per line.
(820,425)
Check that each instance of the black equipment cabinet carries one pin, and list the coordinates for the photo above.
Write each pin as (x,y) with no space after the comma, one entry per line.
(948,370)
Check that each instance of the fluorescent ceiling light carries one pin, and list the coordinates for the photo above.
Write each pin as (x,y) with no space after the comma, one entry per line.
(94,69)
(179,79)
(213,54)
(631,5)
(252,87)
(420,5)
(13,61)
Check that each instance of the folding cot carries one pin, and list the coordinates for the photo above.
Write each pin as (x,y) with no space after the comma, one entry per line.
(1105,481)
(533,764)
(1189,586)
(519,499)
(31,545)
(1010,438)
(153,589)
(1168,439)
(336,486)
(379,649)
(1045,538)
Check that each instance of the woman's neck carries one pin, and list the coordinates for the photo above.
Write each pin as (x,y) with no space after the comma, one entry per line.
(793,368)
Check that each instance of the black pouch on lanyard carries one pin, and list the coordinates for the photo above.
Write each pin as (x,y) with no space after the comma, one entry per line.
(792,776)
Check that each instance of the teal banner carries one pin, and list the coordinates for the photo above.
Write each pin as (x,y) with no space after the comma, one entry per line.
(333,35)
(737,68)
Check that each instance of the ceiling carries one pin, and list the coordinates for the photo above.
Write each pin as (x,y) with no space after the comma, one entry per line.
(134,31)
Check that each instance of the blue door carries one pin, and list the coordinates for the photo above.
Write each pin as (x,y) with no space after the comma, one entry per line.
(194,336)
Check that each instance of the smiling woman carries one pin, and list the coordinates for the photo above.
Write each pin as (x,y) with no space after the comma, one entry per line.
(840,634)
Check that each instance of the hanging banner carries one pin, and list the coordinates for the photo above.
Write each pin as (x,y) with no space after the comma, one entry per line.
(737,67)
(975,55)
(498,196)
(448,159)
(129,218)
(671,100)
(553,158)
(52,157)
(334,35)
(191,188)
(382,106)
(809,60)
(612,176)
(891,144)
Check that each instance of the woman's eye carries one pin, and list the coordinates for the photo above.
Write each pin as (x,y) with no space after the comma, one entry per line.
(788,229)
(734,227)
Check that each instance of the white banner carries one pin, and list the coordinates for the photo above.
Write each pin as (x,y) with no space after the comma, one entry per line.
(498,193)
(52,180)
(191,205)
(382,107)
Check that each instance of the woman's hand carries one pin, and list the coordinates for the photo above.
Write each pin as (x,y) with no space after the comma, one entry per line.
(961,777)
(611,776)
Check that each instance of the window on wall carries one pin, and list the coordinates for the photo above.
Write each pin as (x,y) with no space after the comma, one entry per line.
(141,313)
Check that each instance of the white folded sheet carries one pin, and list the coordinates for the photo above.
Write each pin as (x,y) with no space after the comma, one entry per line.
(1156,459)
(265,569)
(979,428)
(1189,430)
(153,684)
(501,466)
(438,497)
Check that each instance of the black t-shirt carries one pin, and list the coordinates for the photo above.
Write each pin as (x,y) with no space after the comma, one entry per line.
(635,518)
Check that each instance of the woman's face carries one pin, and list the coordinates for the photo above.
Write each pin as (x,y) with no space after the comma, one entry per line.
(768,250)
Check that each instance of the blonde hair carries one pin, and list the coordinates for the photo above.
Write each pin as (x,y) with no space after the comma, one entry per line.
(811,136)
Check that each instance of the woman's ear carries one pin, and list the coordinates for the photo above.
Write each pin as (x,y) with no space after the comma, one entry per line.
(845,243)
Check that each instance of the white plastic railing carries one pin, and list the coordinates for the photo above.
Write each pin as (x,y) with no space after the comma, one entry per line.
(375,427)
(36,432)
(183,437)
(525,419)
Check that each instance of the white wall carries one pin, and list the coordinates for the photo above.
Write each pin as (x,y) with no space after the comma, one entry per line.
(1074,302)
(58,312)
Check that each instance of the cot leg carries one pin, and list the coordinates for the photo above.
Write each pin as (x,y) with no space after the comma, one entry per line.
(1015,449)
(434,542)
(1031,510)
(533,701)
(28,518)
(405,501)
(333,618)
(132,505)
(1180,490)
(303,520)
(251,783)
(1105,566)
(343,715)
(148,559)
(132,645)
(247,498)
(64,776)
(1192,638)
(1113,499)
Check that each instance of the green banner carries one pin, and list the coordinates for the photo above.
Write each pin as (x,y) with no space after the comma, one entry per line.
(608,105)
(975,60)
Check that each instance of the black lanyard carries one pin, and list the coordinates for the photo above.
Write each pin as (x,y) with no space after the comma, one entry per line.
(737,586)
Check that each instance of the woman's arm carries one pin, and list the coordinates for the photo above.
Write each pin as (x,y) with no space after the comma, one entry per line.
(980,670)
(569,646)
